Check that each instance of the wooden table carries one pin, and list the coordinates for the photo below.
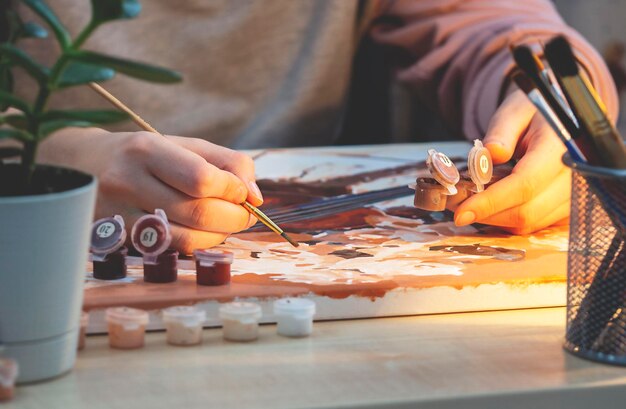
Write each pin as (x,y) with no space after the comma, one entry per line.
(506,359)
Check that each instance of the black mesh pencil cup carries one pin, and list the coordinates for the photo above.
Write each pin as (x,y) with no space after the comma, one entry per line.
(596,264)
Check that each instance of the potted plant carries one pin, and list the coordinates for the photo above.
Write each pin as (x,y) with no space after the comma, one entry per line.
(45,211)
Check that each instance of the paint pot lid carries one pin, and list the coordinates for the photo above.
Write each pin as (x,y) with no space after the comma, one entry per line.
(443,170)
(9,370)
(240,311)
(84,318)
(127,315)
(294,306)
(213,256)
(151,235)
(186,313)
(107,236)
(480,165)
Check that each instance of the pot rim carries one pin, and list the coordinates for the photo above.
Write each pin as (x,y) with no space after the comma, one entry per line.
(49,197)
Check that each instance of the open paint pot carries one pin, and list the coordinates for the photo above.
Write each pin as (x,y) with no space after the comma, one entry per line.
(9,370)
(479,166)
(443,170)
(431,193)
(213,266)
(294,316)
(107,248)
(127,327)
(240,321)
(183,325)
(82,334)
(151,237)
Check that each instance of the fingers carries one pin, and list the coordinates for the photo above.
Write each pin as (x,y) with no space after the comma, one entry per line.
(534,172)
(545,209)
(182,169)
(507,126)
(237,163)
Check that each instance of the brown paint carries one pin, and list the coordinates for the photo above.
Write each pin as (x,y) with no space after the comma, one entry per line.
(113,267)
(215,274)
(164,271)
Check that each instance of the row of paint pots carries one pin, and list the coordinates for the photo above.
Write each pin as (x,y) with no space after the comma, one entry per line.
(183,324)
(151,236)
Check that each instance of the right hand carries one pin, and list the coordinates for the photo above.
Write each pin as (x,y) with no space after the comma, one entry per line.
(199,185)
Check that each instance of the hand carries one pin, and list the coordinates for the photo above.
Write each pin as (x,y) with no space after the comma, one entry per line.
(537,193)
(197,183)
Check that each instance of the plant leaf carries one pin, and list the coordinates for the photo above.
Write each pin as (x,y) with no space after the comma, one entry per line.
(9,152)
(93,116)
(108,10)
(18,121)
(54,125)
(33,30)
(43,11)
(134,69)
(19,57)
(77,73)
(15,134)
(12,101)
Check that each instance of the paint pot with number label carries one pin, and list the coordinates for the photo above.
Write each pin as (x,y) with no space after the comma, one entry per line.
(213,266)
(430,195)
(240,321)
(107,248)
(184,325)
(479,166)
(443,170)
(151,237)
(82,335)
(9,371)
(127,327)
(294,316)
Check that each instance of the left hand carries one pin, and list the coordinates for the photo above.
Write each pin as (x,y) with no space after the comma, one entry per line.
(537,193)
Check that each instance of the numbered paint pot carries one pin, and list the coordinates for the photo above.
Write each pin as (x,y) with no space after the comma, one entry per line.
(240,321)
(107,248)
(443,170)
(430,195)
(82,335)
(294,316)
(479,166)
(127,327)
(151,237)
(184,325)
(9,370)
(213,267)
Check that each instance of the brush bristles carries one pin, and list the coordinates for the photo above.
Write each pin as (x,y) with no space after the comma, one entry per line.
(525,60)
(522,81)
(289,239)
(561,57)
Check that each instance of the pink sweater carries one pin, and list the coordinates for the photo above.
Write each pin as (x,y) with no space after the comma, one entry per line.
(462,46)
(277,72)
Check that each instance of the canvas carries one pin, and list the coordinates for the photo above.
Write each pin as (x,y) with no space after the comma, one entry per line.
(367,260)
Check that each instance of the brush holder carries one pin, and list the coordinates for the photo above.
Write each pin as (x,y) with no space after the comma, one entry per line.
(596,264)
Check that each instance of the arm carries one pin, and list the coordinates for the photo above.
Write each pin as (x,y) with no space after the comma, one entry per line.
(459,55)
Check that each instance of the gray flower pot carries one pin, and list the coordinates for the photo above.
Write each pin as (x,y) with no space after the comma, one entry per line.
(44,241)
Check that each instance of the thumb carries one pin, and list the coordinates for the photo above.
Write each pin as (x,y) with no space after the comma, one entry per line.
(507,125)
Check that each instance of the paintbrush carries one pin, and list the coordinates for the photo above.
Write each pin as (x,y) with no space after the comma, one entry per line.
(533,94)
(527,62)
(146,126)
(586,104)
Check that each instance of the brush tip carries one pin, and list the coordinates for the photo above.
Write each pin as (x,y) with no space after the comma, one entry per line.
(526,60)
(290,240)
(561,57)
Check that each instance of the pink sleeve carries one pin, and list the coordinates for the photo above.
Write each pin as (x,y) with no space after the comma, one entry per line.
(459,53)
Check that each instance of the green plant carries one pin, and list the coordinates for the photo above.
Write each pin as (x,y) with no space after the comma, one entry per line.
(31,122)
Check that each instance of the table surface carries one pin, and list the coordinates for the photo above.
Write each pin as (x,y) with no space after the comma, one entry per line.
(504,359)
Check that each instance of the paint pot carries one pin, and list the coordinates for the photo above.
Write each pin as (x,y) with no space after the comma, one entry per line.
(430,195)
(479,166)
(443,170)
(107,248)
(82,335)
(9,370)
(127,327)
(213,266)
(151,237)
(294,316)
(183,325)
(240,321)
